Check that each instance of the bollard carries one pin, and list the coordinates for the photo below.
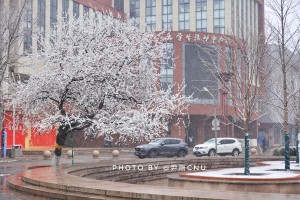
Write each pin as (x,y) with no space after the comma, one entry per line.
(115,153)
(95,154)
(253,151)
(47,155)
(69,153)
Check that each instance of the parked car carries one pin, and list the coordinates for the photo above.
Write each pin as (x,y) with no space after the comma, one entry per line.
(225,146)
(162,147)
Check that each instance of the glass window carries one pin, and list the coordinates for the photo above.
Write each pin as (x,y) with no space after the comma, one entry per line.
(229,57)
(219,16)
(119,5)
(242,16)
(65,9)
(151,15)
(135,11)
(239,72)
(53,13)
(238,18)
(184,15)
(167,69)
(251,10)
(41,23)
(86,11)
(201,15)
(75,9)
(28,27)
(247,21)
(232,17)
(167,16)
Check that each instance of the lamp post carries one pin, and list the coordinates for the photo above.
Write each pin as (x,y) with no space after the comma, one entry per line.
(215,117)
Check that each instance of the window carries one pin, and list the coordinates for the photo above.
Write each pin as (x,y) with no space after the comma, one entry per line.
(229,57)
(53,13)
(41,23)
(238,18)
(255,16)
(167,69)
(251,10)
(135,11)
(174,141)
(242,17)
(167,17)
(28,27)
(260,18)
(201,15)
(167,141)
(184,15)
(76,9)
(232,17)
(247,21)
(219,16)
(85,11)
(65,9)
(119,5)
(151,15)
(239,72)
(199,63)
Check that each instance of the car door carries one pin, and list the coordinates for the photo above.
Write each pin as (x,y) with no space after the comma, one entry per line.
(230,145)
(165,147)
(174,147)
(221,145)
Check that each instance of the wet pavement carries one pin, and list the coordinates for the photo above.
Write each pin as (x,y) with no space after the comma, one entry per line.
(10,166)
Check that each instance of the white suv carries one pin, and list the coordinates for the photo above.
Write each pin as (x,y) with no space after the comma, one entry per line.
(225,146)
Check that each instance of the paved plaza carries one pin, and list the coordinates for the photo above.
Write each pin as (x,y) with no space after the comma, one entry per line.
(108,186)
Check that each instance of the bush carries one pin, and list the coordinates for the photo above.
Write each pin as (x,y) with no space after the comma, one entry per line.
(276,152)
(281,151)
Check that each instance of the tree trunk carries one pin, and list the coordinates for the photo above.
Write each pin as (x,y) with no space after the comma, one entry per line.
(60,141)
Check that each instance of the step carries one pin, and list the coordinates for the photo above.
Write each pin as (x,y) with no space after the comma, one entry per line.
(15,182)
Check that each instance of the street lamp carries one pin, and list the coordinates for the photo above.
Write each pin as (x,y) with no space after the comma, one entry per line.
(215,117)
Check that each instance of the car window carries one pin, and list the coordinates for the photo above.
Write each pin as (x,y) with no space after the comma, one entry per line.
(223,141)
(157,141)
(231,141)
(168,141)
(174,141)
(210,141)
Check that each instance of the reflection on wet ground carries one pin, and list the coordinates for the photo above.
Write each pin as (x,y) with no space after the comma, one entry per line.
(8,168)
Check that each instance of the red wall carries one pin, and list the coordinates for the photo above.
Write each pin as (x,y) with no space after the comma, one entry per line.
(26,136)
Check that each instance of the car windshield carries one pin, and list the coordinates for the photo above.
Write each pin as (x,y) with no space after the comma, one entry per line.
(210,141)
(156,141)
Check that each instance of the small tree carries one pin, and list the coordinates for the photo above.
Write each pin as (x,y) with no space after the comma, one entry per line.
(284,27)
(99,75)
(242,77)
(11,16)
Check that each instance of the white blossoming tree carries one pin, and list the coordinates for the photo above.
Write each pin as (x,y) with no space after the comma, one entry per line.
(100,75)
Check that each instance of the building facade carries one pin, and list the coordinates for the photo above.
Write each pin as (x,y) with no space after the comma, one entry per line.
(191,26)
(194,27)
(39,16)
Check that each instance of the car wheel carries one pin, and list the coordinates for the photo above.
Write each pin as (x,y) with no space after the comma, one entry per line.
(152,154)
(212,152)
(141,157)
(181,153)
(235,152)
